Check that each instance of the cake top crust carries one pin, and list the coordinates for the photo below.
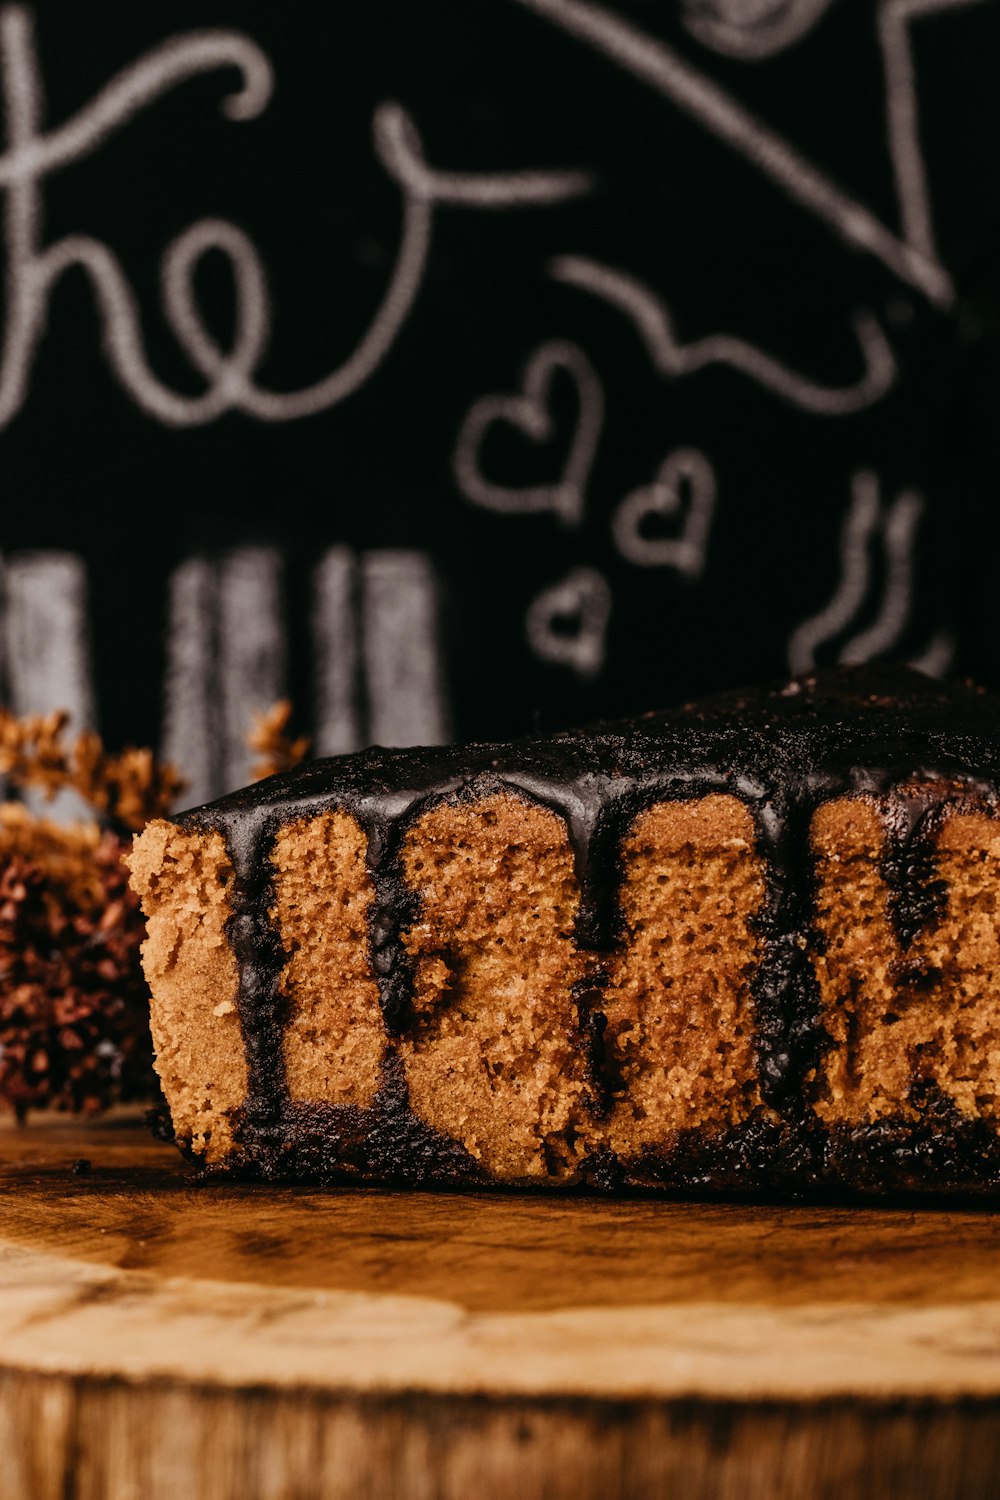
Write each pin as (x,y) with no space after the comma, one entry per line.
(859,729)
(886,733)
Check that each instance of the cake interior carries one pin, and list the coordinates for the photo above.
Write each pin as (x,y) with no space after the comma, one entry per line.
(912,1016)
(185,880)
(333,1043)
(680,1034)
(493,1054)
(536,1055)
(529,1051)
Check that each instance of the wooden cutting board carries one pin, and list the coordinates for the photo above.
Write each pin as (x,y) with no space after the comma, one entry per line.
(159,1338)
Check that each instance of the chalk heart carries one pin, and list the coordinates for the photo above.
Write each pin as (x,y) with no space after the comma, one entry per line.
(682,492)
(567,623)
(530,413)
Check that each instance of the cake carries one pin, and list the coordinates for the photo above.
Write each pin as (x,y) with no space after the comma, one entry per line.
(749,945)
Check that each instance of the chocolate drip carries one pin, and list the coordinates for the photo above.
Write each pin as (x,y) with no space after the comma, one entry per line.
(392,909)
(601,1076)
(583,804)
(260,959)
(786,997)
(909,864)
(911,817)
(884,734)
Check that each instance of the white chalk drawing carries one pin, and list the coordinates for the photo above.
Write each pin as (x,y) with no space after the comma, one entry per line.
(530,414)
(567,623)
(379,672)
(226,655)
(862,520)
(46,649)
(869,521)
(335,632)
(252,646)
(32,155)
(399,149)
(653,322)
(752,29)
(937,659)
(902,117)
(404,680)
(899,530)
(684,488)
(33,268)
(190,730)
(698,95)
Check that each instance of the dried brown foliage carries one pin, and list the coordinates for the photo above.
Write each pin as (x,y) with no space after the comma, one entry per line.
(125,789)
(74,1008)
(269,737)
(74,1020)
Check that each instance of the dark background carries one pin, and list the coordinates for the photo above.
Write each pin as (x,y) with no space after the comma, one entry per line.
(494,87)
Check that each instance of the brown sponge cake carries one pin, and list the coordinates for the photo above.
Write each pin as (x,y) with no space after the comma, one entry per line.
(751,945)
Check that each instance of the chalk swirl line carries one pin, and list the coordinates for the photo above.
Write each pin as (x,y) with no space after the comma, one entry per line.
(748,33)
(33,266)
(660,68)
(653,321)
(866,519)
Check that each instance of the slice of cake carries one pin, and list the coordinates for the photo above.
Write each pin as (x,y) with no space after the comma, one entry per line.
(747,945)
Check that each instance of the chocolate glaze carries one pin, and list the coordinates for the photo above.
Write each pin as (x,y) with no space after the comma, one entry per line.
(905,743)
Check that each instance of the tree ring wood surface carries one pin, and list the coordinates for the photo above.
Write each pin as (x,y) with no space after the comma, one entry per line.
(164,1338)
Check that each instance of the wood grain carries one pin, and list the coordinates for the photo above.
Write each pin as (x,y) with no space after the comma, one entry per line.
(160,1337)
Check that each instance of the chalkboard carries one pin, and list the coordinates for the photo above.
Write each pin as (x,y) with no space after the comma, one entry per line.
(463,370)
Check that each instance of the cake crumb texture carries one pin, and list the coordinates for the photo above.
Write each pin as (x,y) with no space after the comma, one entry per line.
(185,882)
(906,1023)
(334,1039)
(494,1056)
(680,1018)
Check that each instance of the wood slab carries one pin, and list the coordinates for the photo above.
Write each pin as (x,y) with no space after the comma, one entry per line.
(164,1338)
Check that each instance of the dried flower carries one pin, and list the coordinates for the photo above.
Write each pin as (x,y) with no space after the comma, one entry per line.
(74,1019)
(269,737)
(126,789)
